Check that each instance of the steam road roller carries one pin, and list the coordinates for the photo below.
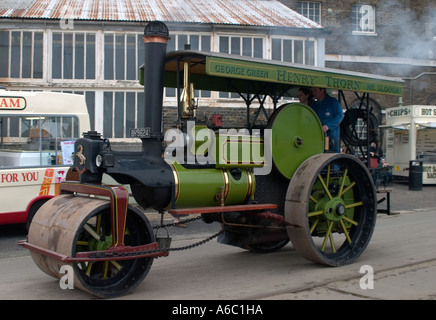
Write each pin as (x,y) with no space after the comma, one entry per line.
(266,184)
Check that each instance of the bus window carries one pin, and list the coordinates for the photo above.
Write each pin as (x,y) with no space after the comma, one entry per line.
(35,140)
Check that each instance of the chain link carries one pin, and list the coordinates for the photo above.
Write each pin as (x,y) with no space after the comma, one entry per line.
(193,245)
(138,253)
(176,223)
(190,246)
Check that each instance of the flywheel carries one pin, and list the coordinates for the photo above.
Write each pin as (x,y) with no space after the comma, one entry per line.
(296,134)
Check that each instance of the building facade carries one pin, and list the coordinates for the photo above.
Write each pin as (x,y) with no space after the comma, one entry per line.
(95,48)
(386,37)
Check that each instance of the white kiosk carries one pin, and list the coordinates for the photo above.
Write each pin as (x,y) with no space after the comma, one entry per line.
(411,135)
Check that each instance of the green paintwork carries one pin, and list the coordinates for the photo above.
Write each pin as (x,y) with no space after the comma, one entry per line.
(241,151)
(324,203)
(199,187)
(213,71)
(203,139)
(296,135)
(228,148)
(301,76)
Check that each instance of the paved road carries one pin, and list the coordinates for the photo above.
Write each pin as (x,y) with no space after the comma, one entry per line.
(402,255)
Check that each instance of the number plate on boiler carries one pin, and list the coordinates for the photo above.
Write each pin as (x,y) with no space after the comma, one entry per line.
(140,132)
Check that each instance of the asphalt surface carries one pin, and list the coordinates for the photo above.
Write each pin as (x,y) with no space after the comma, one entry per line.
(403,199)
(411,280)
(410,273)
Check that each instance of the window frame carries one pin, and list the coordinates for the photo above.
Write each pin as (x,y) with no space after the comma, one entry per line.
(18,67)
(174,44)
(46,147)
(232,42)
(308,9)
(357,16)
(303,40)
(60,72)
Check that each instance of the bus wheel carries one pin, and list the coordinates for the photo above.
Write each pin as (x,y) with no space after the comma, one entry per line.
(32,212)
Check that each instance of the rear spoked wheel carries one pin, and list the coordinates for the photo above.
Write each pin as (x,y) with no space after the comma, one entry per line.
(69,224)
(113,277)
(331,205)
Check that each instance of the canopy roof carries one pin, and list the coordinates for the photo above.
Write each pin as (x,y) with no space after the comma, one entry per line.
(232,73)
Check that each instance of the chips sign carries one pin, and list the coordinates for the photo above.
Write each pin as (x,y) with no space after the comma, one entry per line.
(12,103)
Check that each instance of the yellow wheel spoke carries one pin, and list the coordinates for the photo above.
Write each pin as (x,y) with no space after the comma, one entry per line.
(325,186)
(332,242)
(352,205)
(327,235)
(88,269)
(98,226)
(89,229)
(82,243)
(315,213)
(314,225)
(328,175)
(313,199)
(345,231)
(350,220)
(347,188)
(116,264)
(106,266)
(343,181)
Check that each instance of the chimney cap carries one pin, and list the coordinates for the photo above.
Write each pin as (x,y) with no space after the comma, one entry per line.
(156,28)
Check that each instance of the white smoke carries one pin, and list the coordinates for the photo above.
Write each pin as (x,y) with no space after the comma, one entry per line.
(400,31)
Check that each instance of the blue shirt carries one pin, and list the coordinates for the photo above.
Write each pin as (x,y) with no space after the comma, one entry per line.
(330,114)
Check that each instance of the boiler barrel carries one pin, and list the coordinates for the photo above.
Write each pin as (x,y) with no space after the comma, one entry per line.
(204,187)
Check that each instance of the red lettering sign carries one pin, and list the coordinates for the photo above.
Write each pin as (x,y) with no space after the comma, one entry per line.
(12,103)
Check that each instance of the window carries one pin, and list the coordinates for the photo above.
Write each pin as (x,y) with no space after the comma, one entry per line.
(199,42)
(311,10)
(121,114)
(293,50)
(35,141)
(243,46)
(196,42)
(90,104)
(363,19)
(73,55)
(21,54)
(123,54)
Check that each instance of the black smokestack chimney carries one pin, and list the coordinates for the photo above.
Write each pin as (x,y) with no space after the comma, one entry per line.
(155,38)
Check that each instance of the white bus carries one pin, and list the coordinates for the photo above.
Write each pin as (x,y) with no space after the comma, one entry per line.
(37,134)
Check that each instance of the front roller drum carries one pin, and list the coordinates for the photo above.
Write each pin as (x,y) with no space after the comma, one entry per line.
(69,224)
(331,206)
